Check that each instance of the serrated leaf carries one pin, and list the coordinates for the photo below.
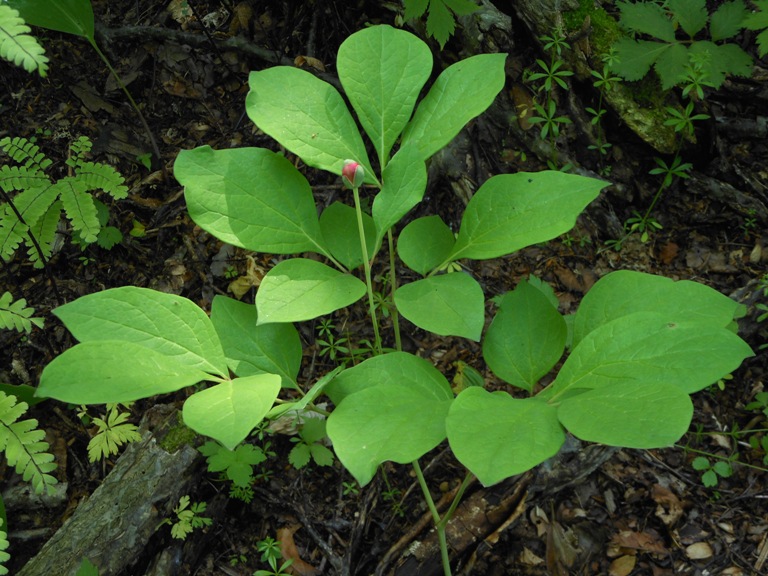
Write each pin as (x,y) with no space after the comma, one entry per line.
(301,289)
(690,14)
(646,18)
(299,456)
(723,59)
(671,65)
(321,455)
(440,22)
(414,8)
(634,58)
(727,20)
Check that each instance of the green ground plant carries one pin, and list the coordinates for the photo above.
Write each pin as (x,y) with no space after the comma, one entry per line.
(638,346)
(441,21)
(682,31)
(31,216)
(112,432)
(758,21)
(188,518)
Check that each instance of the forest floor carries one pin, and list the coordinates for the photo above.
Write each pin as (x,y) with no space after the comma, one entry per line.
(645,513)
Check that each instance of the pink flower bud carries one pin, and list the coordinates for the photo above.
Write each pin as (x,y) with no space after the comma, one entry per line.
(352,174)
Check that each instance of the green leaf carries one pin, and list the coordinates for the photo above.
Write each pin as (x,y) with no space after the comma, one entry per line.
(646,18)
(626,292)
(227,412)
(397,414)
(425,243)
(690,14)
(727,20)
(671,65)
(404,182)
(237,463)
(448,305)
(464,90)
(526,337)
(20,48)
(86,568)
(338,224)
(723,59)
(512,211)
(630,414)
(496,436)
(251,198)
(414,8)
(634,58)
(647,347)
(307,116)
(80,208)
(109,371)
(70,16)
(251,349)
(390,369)
(440,22)
(382,70)
(300,289)
(171,325)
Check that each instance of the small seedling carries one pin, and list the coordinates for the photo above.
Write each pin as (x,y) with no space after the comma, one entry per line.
(713,471)
(188,518)
(113,432)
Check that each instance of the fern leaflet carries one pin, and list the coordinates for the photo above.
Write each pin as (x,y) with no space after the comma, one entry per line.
(17,46)
(4,556)
(24,445)
(17,315)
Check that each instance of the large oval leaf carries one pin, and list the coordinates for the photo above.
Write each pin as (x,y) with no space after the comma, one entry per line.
(109,371)
(626,291)
(448,305)
(339,225)
(171,325)
(300,289)
(227,412)
(307,116)
(496,436)
(512,211)
(526,337)
(461,92)
(70,16)
(648,347)
(629,414)
(251,198)
(425,243)
(252,349)
(395,412)
(382,70)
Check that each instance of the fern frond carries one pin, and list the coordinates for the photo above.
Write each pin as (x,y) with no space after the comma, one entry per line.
(24,446)
(17,46)
(103,177)
(4,556)
(20,178)
(17,315)
(25,152)
(32,204)
(79,207)
(79,150)
(12,233)
(44,231)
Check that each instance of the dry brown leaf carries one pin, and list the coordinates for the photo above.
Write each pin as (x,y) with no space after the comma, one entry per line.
(309,61)
(699,551)
(290,552)
(668,252)
(241,18)
(528,558)
(181,12)
(629,542)
(622,566)
(523,106)
(252,277)
(669,508)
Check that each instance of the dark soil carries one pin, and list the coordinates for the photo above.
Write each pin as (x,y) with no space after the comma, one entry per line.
(638,513)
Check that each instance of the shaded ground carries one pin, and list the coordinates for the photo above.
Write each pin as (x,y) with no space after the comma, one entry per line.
(640,513)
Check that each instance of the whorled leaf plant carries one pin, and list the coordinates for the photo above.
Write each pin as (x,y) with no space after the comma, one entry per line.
(638,346)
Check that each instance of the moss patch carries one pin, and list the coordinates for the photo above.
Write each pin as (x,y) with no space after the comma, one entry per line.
(178,435)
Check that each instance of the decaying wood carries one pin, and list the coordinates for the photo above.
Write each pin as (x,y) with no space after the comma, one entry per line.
(112,527)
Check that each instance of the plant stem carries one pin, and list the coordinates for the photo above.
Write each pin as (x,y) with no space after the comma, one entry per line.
(367,266)
(439,525)
(393,287)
